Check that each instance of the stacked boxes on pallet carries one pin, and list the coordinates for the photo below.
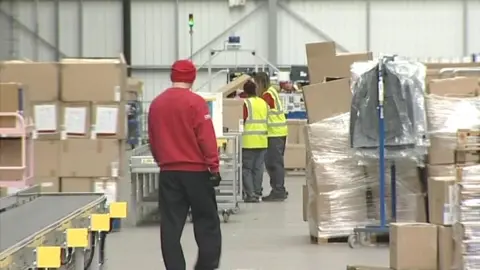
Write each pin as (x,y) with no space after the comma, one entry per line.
(295,148)
(79,114)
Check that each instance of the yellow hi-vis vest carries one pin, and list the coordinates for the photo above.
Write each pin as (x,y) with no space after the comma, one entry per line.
(277,122)
(255,127)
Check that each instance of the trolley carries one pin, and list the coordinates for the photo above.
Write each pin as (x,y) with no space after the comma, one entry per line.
(144,181)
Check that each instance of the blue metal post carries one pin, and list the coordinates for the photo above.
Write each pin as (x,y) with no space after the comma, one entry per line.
(393,190)
(381,146)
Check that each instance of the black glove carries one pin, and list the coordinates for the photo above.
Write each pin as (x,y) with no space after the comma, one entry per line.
(215,178)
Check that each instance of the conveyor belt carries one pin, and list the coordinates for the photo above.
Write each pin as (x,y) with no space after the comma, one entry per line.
(7,202)
(30,218)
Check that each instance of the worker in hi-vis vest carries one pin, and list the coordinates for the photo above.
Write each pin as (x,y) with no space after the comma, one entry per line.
(277,138)
(255,143)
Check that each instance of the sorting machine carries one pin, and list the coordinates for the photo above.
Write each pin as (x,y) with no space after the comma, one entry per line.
(55,230)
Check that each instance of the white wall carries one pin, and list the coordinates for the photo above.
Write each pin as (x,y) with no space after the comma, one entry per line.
(101,35)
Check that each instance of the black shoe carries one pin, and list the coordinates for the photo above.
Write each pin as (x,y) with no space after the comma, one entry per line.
(275,197)
(251,200)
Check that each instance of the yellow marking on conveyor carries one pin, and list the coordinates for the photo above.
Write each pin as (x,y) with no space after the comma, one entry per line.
(147,161)
(6,261)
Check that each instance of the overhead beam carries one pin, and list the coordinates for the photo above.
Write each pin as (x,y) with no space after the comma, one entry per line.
(225,32)
(310,26)
(127,32)
(272,33)
(27,29)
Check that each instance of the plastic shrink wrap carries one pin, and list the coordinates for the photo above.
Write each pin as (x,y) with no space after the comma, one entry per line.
(445,116)
(343,195)
(467,225)
(404,108)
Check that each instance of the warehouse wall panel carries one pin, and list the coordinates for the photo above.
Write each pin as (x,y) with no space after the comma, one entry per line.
(154,37)
(152,32)
(5,40)
(101,35)
(474,26)
(417,28)
(343,21)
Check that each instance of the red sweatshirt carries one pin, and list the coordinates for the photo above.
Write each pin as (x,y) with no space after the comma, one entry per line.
(269,99)
(181,132)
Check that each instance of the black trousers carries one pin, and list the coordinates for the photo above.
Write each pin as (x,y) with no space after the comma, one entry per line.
(180,191)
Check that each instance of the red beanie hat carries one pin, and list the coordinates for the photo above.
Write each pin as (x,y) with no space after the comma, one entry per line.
(183,71)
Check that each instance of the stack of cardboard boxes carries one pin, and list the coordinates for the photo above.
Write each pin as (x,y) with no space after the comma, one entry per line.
(295,148)
(79,115)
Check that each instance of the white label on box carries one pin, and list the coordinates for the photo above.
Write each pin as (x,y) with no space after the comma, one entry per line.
(45,117)
(240,125)
(117,93)
(34,134)
(108,188)
(47,184)
(447,214)
(75,120)
(114,166)
(106,120)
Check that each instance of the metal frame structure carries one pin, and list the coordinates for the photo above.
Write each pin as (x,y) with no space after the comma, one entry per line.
(142,181)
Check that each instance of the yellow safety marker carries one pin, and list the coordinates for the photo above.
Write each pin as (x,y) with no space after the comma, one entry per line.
(221,142)
(118,209)
(100,222)
(77,238)
(48,257)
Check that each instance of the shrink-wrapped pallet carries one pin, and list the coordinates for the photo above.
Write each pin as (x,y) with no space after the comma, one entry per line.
(342,194)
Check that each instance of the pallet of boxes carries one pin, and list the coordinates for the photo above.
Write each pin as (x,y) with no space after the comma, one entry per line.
(79,116)
(449,239)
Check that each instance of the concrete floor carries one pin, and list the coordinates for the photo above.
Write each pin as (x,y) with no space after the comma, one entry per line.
(266,236)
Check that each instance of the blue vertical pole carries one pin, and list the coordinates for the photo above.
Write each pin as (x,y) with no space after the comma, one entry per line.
(381,146)
(393,190)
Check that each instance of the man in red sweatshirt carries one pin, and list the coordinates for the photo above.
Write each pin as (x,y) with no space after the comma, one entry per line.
(184,145)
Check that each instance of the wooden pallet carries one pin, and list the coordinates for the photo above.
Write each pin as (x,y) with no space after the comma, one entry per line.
(344,239)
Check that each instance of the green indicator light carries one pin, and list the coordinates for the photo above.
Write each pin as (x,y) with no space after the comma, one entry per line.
(190,20)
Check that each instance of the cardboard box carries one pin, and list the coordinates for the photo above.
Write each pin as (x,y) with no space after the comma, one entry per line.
(441,170)
(90,158)
(109,120)
(292,137)
(234,85)
(12,100)
(106,186)
(48,184)
(232,114)
(454,87)
(324,100)
(323,61)
(134,89)
(295,156)
(11,156)
(40,79)
(93,80)
(46,120)
(46,158)
(413,246)
(441,151)
(75,120)
(446,246)
(440,199)
(76,184)
(305,202)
